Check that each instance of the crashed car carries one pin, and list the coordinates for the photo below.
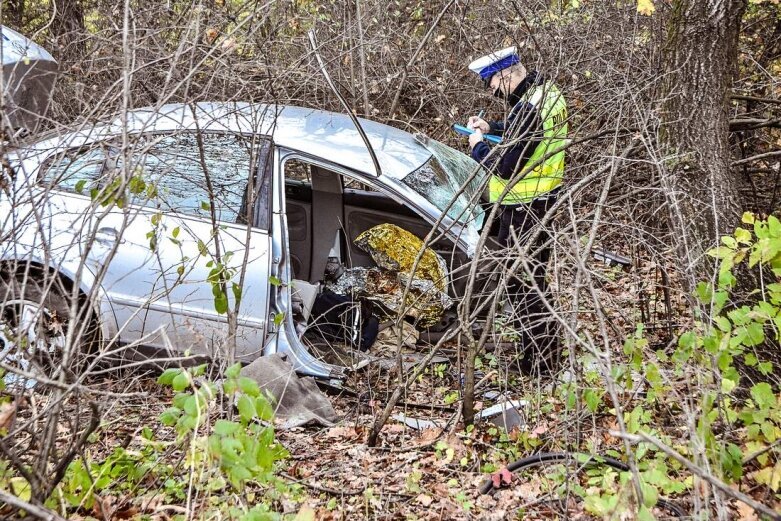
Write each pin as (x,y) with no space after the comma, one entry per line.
(165,219)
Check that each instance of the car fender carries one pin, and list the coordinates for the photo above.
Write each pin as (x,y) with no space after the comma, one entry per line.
(87,281)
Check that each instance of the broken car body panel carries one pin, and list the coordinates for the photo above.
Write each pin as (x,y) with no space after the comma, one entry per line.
(150,291)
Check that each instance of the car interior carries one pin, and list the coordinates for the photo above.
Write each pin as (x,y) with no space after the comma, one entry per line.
(326,211)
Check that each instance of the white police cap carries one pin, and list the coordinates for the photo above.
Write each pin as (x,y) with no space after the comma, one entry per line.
(488,65)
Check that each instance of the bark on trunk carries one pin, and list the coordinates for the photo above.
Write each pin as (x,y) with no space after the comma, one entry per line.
(68,27)
(699,59)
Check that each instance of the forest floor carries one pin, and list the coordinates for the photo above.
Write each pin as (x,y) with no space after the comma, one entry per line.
(414,473)
(417,471)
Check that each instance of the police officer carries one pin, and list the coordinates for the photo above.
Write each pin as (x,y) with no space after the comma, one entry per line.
(531,158)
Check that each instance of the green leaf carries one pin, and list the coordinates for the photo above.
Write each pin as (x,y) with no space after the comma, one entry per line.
(743,236)
(727,385)
(748,218)
(170,415)
(249,386)
(233,371)
(643,514)
(729,242)
(175,232)
(774,226)
(80,185)
(592,398)
(731,458)
(246,407)
(205,206)
(687,340)
(755,334)
(168,376)
(136,185)
(191,406)
(220,301)
(704,292)
(264,409)
(274,281)
(229,386)
(723,324)
(236,292)
(179,399)
(226,428)
(763,395)
(181,381)
(278,319)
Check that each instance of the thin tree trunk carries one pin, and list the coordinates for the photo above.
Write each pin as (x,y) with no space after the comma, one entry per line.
(68,27)
(699,59)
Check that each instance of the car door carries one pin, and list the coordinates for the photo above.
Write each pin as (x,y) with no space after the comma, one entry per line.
(174,247)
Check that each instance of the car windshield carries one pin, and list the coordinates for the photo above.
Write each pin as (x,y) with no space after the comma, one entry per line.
(445,175)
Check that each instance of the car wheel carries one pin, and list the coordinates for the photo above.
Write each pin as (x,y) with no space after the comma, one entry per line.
(34,324)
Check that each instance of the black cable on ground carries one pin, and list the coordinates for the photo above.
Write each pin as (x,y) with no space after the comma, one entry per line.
(559,457)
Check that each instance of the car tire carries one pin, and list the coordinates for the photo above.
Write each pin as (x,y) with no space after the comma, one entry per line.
(34,324)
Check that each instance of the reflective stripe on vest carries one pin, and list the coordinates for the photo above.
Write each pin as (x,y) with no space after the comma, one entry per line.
(548,172)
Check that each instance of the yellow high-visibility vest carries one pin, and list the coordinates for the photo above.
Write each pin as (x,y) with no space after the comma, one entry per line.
(548,174)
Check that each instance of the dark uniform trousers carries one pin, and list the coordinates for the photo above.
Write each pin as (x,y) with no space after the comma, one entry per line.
(537,334)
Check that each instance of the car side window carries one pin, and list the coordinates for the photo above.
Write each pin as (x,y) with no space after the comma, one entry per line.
(75,169)
(192,173)
(298,171)
(354,184)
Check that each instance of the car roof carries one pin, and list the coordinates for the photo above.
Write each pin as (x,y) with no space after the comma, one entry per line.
(319,133)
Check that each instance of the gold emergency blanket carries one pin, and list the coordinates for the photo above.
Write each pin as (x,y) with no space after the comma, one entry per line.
(394,250)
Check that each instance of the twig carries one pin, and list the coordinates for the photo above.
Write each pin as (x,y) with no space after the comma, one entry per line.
(753,98)
(415,57)
(325,490)
(382,420)
(753,124)
(33,510)
(754,455)
(694,469)
(757,157)
(358,127)
(362,57)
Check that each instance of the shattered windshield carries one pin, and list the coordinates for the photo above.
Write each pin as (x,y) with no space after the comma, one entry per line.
(443,176)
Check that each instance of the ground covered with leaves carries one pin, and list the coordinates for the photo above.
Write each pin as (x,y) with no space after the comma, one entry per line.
(175,446)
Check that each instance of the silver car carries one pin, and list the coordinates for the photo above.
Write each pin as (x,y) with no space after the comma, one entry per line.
(176,226)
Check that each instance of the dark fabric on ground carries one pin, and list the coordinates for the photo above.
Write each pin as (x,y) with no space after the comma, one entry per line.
(337,318)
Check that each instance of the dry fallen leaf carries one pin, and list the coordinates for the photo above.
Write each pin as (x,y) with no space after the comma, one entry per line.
(428,435)
(7,413)
(341,433)
(424,500)
(305,514)
(746,513)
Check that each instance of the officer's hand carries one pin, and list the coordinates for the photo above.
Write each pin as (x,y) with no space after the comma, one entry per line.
(475,122)
(475,138)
